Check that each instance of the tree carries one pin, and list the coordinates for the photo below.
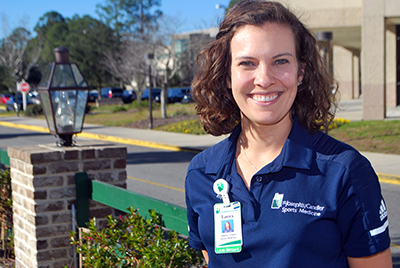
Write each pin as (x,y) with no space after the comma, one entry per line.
(6,80)
(14,56)
(231,4)
(111,13)
(130,18)
(141,16)
(52,30)
(34,76)
(166,58)
(134,22)
(88,41)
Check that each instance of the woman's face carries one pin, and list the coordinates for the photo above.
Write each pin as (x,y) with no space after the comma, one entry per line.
(264,72)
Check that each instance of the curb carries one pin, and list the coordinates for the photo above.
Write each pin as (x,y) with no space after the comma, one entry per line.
(139,142)
(389,178)
(21,126)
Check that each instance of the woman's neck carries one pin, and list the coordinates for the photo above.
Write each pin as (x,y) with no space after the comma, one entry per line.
(263,143)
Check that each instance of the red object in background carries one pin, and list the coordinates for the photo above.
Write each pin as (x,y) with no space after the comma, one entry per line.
(4,98)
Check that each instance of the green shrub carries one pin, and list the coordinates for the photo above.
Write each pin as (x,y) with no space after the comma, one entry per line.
(179,112)
(6,220)
(141,104)
(133,241)
(119,108)
(32,110)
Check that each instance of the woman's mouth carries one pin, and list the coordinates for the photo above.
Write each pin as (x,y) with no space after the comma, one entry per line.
(265,98)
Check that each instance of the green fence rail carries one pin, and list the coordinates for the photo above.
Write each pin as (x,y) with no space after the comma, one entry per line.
(173,216)
(4,159)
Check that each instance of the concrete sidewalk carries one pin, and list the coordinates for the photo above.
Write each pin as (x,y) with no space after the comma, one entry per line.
(352,110)
(387,165)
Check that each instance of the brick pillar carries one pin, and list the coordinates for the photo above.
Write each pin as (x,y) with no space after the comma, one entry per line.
(43,191)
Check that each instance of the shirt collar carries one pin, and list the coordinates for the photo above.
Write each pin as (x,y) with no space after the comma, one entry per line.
(298,149)
(297,152)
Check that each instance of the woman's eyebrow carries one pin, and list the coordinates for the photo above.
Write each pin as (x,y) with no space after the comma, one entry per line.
(283,54)
(245,57)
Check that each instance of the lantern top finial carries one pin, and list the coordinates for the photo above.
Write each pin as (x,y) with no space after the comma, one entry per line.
(62,55)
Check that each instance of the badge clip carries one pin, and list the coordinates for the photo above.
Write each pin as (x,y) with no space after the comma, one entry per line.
(221,188)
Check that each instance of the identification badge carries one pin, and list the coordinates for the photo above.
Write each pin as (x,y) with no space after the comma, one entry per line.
(228,228)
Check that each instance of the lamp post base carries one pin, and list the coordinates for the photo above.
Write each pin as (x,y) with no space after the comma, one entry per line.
(65,140)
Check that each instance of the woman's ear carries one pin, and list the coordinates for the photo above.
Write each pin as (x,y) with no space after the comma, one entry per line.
(228,81)
(301,74)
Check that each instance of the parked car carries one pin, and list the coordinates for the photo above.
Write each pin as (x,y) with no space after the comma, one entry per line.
(5,97)
(111,92)
(181,94)
(93,95)
(10,103)
(128,96)
(176,95)
(34,96)
(154,93)
(187,96)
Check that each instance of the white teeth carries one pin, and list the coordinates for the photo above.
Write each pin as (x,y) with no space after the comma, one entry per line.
(263,98)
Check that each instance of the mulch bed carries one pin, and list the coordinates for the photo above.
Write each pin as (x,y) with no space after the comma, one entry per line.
(157,122)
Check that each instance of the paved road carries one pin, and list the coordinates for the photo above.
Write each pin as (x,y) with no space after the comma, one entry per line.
(158,173)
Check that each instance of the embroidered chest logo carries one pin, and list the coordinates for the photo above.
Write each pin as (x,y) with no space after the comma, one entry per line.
(382,211)
(286,206)
(277,201)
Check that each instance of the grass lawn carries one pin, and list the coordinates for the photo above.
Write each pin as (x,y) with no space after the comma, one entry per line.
(372,136)
(117,116)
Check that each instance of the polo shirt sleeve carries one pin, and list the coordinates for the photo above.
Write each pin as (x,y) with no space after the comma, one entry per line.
(193,218)
(362,215)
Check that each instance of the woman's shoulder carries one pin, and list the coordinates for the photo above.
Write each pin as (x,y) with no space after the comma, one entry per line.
(211,154)
(330,149)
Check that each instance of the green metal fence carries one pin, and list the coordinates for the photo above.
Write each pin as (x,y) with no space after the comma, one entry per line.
(4,159)
(173,216)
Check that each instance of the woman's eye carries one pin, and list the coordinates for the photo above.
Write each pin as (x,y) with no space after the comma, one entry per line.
(281,61)
(246,63)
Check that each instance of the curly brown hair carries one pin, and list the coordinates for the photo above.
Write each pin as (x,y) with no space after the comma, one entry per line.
(314,104)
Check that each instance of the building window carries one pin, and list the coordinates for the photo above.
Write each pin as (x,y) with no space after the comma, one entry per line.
(180,45)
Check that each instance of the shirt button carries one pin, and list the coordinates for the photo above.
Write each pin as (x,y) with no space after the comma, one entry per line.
(259,179)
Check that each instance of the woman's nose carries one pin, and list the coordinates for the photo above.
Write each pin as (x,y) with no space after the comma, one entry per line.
(264,76)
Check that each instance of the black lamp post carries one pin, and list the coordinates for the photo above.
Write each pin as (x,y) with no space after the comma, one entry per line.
(325,39)
(63,92)
(150,58)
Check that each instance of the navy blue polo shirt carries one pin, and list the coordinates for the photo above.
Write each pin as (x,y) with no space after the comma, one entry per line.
(318,202)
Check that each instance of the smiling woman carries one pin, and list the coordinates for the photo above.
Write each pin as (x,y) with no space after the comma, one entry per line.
(263,81)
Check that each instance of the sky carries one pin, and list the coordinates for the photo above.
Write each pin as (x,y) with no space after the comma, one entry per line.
(193,14)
